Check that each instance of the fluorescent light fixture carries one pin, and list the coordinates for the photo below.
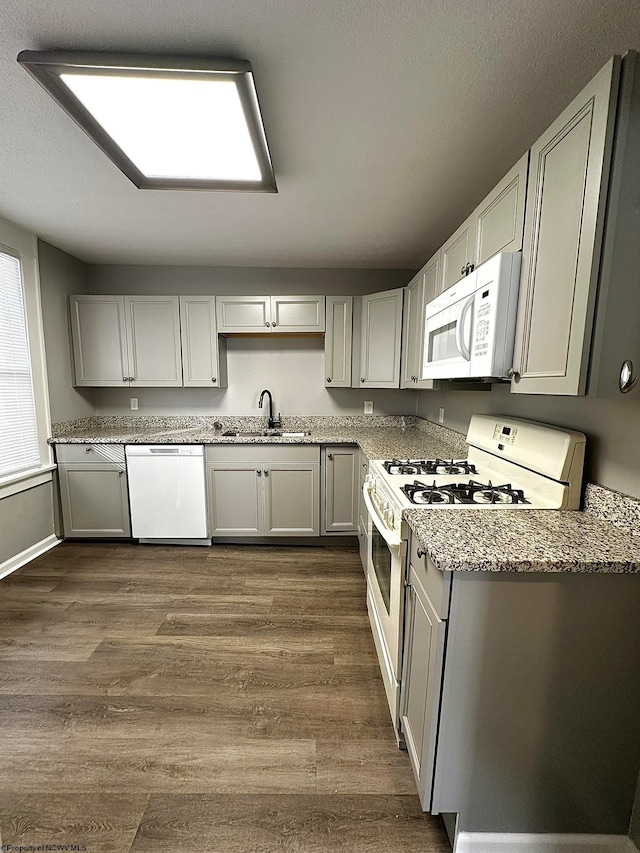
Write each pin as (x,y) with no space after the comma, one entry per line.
(166,123)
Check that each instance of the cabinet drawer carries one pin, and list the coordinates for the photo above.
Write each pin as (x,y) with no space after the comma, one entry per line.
(112,454)
(437,584)
(262,453)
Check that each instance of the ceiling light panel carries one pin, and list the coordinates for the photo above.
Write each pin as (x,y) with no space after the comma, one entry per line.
(166,123)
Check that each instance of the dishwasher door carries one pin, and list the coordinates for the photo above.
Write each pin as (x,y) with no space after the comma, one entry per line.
(167,493)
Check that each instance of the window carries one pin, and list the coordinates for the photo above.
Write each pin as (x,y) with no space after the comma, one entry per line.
(19,442)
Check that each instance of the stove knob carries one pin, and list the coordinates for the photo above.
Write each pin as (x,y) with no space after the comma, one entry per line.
(384,506)
(388,517)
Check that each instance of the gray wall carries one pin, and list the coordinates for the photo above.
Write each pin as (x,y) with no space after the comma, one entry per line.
(634,828)
(25,519)
(60,275)
(612,427)
(292,367)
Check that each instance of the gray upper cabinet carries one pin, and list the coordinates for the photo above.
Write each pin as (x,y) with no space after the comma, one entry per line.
(457,253)
(341,489)
(99,340)
(380,340)
(419,292)
(153,340)
(126,340)
(565,214)
(338,341)
(496,225)
(267,314)
(499,219)
(204,362)
(303,314)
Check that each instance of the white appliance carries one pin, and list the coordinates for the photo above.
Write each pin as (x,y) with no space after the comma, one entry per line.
(511,464)
(470,328)
(167,494)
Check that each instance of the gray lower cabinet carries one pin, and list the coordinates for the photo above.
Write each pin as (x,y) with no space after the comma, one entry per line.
(263,490)
(341,488)
(423,660)
(93,492)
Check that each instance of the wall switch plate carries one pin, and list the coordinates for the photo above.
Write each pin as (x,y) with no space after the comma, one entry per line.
(368,407)
(133,402)
(441,415)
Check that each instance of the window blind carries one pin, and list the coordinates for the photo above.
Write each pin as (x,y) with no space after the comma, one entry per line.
(19,448)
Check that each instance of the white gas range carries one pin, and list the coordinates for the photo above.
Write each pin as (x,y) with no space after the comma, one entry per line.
(511,464)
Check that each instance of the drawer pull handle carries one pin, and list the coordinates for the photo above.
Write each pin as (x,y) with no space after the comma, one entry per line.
(420,553)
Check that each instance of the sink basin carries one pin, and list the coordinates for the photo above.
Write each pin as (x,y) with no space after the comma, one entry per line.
(265,433)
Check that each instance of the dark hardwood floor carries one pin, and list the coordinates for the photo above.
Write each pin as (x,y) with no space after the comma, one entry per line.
(209,700)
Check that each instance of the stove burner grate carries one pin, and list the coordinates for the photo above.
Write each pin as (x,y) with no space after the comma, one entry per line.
(472,492)
(429,466)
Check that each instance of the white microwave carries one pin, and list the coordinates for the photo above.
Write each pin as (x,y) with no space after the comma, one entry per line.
(469,329)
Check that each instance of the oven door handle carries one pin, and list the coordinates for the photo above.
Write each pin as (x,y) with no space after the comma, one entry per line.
(393,540)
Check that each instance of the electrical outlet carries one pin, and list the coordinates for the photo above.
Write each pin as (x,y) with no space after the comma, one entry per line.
(441,415)
(133,402)
(368,407)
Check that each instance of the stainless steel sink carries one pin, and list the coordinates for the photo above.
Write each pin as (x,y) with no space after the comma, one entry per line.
(265,433)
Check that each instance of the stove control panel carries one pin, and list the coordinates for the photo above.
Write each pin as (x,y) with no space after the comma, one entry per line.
(505,434)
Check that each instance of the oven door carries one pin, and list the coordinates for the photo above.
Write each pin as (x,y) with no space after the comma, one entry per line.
(385,601)
(447,332)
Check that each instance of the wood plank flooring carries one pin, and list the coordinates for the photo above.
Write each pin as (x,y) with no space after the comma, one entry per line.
(209,700)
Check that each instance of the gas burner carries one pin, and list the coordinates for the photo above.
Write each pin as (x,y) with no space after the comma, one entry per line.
(479,493)
(421,493)
(429,466)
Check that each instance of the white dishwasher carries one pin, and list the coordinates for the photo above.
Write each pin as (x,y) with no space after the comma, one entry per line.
(167,493)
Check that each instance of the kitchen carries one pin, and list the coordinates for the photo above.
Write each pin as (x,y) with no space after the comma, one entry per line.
(257,363)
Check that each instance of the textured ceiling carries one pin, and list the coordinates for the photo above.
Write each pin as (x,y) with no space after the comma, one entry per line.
(388,120)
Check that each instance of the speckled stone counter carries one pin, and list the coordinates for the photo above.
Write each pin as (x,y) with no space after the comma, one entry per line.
(379,438)
(503,540)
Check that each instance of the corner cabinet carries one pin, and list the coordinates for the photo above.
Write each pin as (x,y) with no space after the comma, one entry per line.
(567,194)
(271,314)
(341,481)
(93,491)
(126,341)
(338,342)
(263,490)
(418,293)
(204,362)
(380,338)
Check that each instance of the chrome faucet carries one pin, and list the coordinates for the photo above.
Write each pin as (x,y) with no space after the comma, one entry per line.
(273,422)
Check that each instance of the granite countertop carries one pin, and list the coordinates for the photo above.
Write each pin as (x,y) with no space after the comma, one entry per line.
(503,540)
(389,438)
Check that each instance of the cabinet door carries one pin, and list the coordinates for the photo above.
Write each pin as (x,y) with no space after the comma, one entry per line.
(457,252)
(153,340)
(421,676)
(203,364)
(297,313)
(430,282)
(234,493)
(244,314)
(291,498)
(412,324)
(99,340)
(94,500)
(565,211)
(341,488)
(380,342)
(500,217)
(337,342)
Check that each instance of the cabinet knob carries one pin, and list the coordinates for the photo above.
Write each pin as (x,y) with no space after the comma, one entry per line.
(463,271)
(259,472)
(328,379)
(362,379)
(329,455)
(420,553)
(266,472)
(213,379)
(274,325)
(267,324)
(512,373)
(88,449)
(125,378)
(627,380)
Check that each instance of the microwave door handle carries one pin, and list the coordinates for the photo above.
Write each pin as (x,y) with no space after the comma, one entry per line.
(463,349)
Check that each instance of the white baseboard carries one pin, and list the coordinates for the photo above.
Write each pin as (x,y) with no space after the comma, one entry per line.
(27,555)
(497,842)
